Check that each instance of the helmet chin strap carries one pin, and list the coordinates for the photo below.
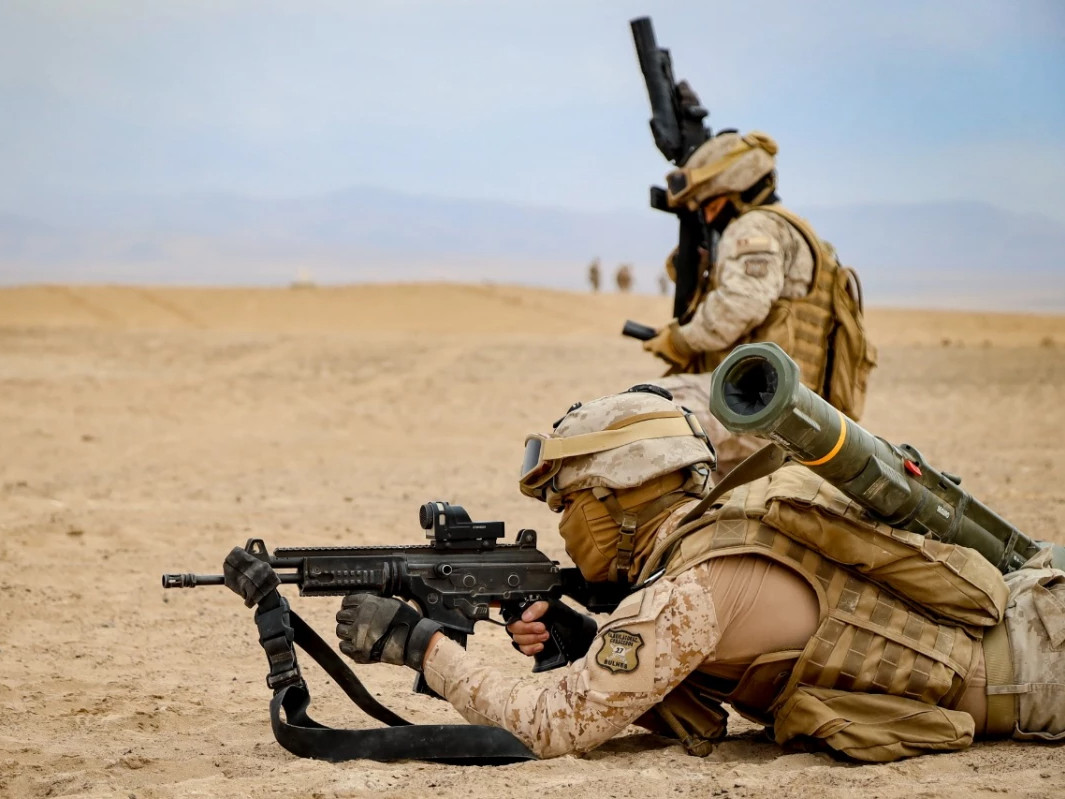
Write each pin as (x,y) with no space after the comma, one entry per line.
(629,521)
(742,206)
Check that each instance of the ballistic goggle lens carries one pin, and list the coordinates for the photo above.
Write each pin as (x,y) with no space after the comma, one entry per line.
(532,456)
(677,183)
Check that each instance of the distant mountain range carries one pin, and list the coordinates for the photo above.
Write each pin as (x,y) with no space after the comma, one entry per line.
(950,254)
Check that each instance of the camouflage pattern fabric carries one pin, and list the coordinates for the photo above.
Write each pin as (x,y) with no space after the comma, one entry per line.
(760,258)
(647,647)
(632,464)
(743,161)
(692,391)
(1035,621)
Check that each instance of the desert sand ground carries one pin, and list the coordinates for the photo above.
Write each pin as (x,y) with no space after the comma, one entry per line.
(146,431)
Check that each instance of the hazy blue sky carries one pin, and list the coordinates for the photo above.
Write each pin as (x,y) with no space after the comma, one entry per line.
(535,102)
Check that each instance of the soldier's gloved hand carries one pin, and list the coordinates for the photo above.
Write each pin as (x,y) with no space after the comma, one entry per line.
(248,576)
(669,346)
(689,100)
(379,629)
(574,630)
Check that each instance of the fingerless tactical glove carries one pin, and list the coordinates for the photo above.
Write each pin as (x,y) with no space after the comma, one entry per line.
(381,629)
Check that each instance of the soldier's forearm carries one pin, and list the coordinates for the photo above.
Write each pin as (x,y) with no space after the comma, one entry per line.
(718,324)
(549,714)
(436,639)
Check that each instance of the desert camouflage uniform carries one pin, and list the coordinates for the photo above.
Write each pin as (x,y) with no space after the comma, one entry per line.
(1035,624)
(760,258)
(648,646)
(660,636)
(693,392)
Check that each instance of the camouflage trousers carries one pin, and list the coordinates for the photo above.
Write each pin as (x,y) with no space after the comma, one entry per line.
(1035,623)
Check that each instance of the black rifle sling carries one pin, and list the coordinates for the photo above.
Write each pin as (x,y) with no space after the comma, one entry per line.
(280,628)
(454,744)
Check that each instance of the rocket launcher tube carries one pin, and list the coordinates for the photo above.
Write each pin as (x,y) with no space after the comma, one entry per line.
(757,390)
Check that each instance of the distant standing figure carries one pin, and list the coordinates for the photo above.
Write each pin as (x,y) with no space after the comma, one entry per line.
(624,277)
(663,284)
(593,274)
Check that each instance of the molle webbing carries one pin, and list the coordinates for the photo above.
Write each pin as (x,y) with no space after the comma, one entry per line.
(868,639)
(811,316)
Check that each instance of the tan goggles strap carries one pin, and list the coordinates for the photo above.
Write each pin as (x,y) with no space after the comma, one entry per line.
(589,443)
(698,175)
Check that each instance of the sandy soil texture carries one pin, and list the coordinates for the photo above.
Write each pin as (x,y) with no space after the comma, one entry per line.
(147,431)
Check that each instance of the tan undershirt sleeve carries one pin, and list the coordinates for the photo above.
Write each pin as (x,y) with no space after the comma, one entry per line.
(655,639)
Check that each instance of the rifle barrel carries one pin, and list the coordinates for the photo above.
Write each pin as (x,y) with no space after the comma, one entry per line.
(194,580)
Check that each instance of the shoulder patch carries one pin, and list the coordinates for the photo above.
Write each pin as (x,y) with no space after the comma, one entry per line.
(619,651)
(756,266)
(754,244)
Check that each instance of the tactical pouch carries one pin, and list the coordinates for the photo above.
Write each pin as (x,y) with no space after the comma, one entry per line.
(876,728)
(952,582)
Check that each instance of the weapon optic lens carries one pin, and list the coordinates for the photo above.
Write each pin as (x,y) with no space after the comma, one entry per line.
(426,515)
(750,386)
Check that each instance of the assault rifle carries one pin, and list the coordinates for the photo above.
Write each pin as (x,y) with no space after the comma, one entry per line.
(454,580)
(678,130)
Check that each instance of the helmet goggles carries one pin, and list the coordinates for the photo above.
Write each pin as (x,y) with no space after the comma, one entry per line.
(545,455)
(682,183)
(686,185)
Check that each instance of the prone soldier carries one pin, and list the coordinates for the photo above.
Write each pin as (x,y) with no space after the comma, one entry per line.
(778,598)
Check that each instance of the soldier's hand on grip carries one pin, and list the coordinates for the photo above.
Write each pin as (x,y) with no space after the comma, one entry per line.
(575,631)
(668,345)
(528,633)
(689,99)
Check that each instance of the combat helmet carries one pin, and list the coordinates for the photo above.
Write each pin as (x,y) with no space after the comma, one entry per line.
(626,457)
(728,164)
